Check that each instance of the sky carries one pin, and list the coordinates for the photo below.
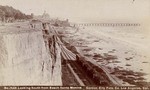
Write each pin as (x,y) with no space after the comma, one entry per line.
(85,10)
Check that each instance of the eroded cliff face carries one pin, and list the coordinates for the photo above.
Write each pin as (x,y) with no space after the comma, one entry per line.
(24,60)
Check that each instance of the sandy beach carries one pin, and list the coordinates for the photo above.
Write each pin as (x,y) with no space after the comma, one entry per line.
(124,51)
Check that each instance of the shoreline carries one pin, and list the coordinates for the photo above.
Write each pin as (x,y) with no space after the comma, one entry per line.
(117,64)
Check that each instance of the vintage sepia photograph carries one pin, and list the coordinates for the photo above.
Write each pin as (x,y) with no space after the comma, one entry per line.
(99,43)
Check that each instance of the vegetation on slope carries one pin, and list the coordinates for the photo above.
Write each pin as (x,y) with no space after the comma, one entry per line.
(8,13)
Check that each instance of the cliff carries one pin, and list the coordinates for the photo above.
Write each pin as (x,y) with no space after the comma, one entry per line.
(24,59)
